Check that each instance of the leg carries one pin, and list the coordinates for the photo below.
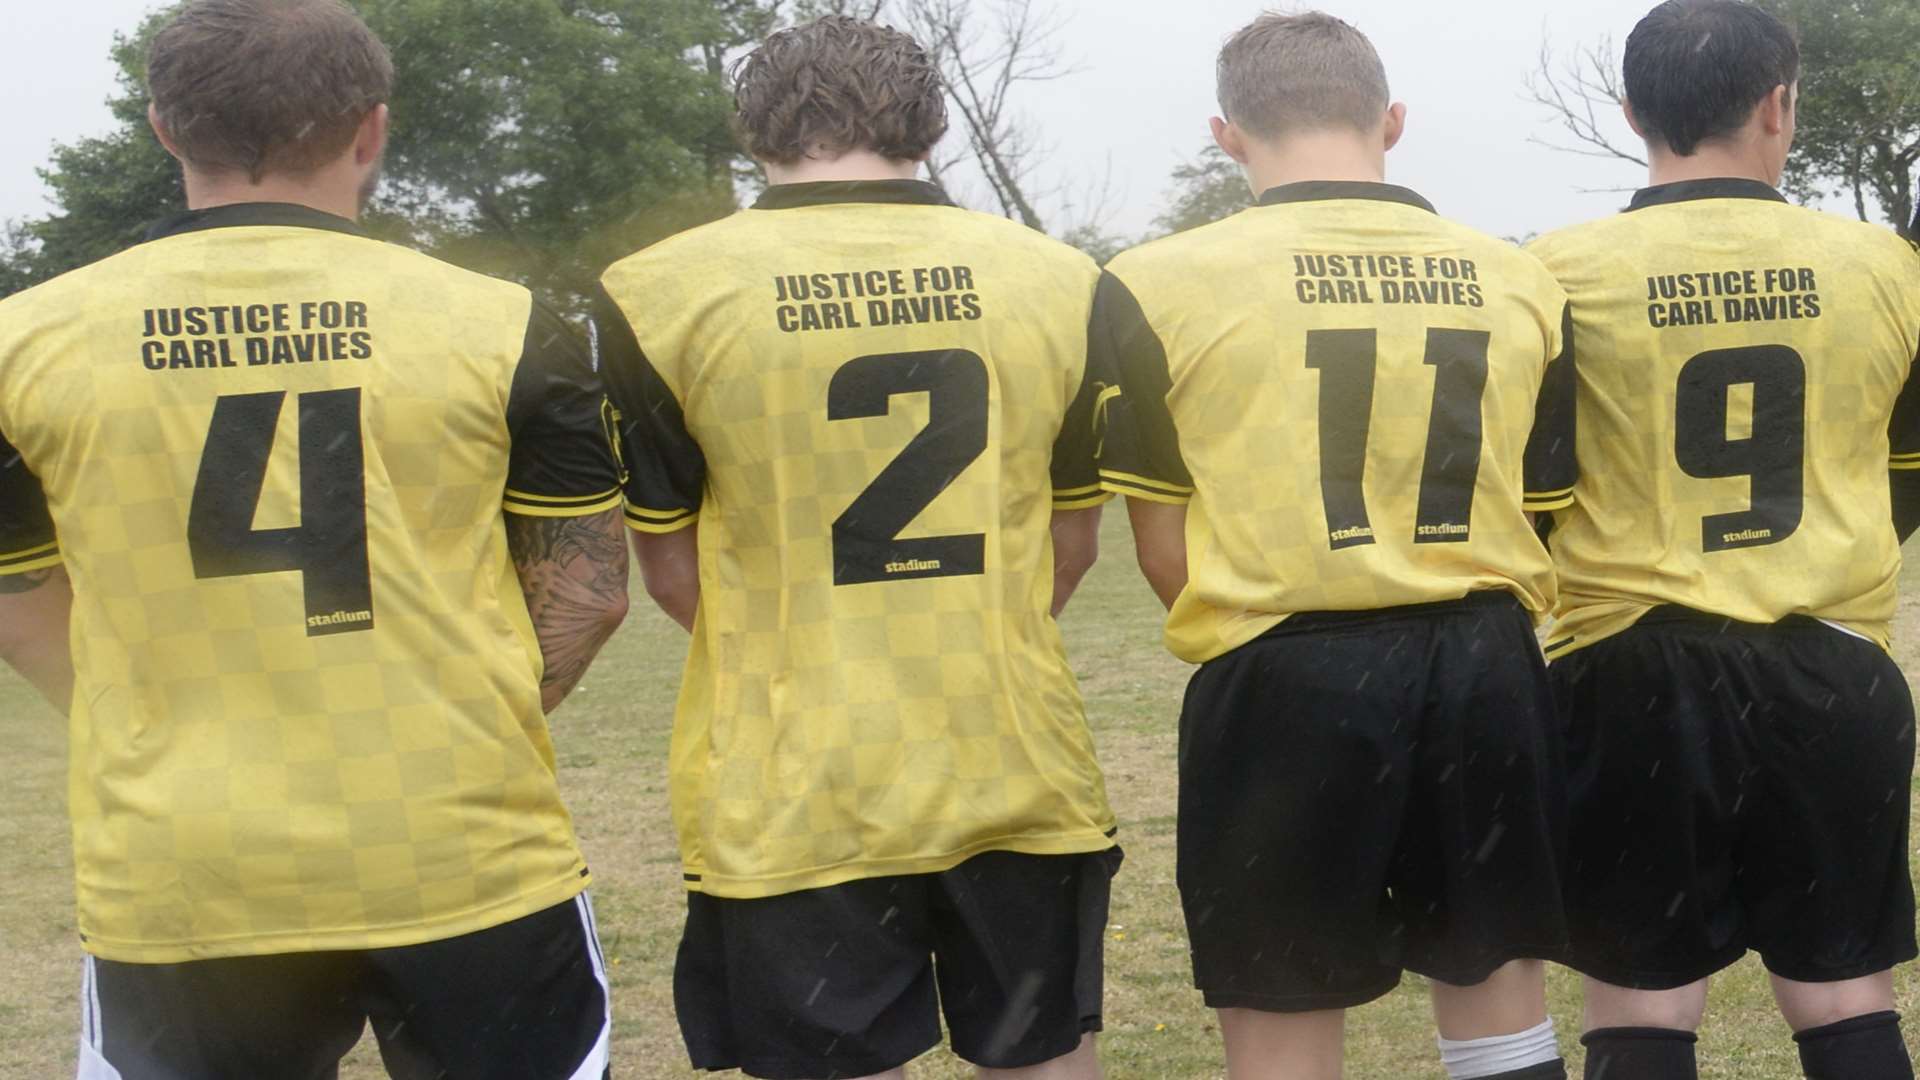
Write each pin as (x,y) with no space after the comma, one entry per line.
(525,1000)
(1610,1006)
(283,1016)
(1284,1046)
(1846,1030)
(1642,1034)
(1512,999)
(1082,1064)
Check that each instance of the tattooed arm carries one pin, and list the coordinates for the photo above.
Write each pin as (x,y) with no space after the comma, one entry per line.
(34,608)
(574,573)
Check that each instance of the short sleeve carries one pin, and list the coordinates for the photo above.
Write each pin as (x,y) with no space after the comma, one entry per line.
(1140,449)
(563,462)
(1076,453)
(666,472)
(1551,468)
(1903,431)
(26,528)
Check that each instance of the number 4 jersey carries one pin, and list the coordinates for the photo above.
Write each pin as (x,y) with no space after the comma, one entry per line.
(1354,398)
(1740,363)
(275,454)
(872,402)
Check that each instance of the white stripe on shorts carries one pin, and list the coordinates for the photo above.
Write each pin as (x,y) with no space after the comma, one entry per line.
(93,1066)
(595,1065)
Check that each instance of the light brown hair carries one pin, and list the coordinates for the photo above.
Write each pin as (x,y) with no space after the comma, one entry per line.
(836,85)
(266,86)
(1309,72)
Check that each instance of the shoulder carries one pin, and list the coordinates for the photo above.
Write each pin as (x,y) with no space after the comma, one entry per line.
(1178,250)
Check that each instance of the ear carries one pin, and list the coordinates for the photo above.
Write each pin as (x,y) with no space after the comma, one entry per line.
(1228,137)
(1633,121)
(1396,124)
(1775,109)
(160,132)
(371,142)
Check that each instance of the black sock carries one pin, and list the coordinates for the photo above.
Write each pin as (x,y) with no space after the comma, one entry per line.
(1640,1053)
(1861,1048)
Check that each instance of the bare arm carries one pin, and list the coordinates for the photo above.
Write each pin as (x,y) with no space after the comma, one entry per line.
(34,609)
(573,571)
(670,567)
(1076,546)
(1160,543)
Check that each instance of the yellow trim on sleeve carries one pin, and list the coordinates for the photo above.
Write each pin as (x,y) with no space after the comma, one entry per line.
(659,522)
(1082,500)
(34,558)
(1540,504)
(1904,463)
(535,506)
(1130,481)
(1123,487)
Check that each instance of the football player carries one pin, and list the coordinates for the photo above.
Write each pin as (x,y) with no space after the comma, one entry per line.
(1740,742)
(336,521)
(1336,410)
(861,433)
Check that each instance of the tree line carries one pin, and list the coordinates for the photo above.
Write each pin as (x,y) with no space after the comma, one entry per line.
(540,141)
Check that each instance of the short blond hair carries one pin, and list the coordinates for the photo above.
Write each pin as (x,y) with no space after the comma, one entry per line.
(1283,74)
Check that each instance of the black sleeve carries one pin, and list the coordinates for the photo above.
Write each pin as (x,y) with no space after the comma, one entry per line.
(666,472)
(1076,453)
(26,529)
(1140,450)
(1903,436)
(563,462)
(1551,467)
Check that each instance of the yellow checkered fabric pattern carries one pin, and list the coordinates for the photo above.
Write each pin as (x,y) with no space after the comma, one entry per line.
(1739,363)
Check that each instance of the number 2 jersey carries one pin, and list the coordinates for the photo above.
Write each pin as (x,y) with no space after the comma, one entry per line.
(1355,399)
(1741,359)
(273,455)
(872,402)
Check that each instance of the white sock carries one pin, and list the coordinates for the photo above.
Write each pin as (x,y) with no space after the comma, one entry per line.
(1468,1059)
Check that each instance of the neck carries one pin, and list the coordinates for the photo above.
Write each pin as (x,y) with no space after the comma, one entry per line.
(851,166)
(1314,155)
(1713,161)
(321,192)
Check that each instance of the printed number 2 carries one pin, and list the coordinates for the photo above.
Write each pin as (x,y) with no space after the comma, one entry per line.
(329,547)
(1773,453)
(866,538)
(1346,360)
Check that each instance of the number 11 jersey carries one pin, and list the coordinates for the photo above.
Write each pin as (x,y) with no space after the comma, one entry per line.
(1355,398)
(872,402)
(1741,363)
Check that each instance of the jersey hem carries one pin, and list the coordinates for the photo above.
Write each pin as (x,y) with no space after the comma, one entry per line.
(35,558)
(558,506)
(822,878)
(360,940)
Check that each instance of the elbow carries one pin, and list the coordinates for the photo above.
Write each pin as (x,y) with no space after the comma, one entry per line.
(1077,563)
(613,612)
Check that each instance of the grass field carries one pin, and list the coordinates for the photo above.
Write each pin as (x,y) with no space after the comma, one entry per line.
(612,740)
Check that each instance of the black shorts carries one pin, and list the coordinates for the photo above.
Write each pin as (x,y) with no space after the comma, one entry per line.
(1736,787)
(526,1000)
(841,981)
(1367,792)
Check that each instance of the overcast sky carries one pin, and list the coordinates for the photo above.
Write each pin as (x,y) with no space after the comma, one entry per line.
(1137,105)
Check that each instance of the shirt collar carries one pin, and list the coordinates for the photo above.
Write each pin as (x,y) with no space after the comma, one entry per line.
(1323,190)
(832,192)
(1726,187)
(267,214)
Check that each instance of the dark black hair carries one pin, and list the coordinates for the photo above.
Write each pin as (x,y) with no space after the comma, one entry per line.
(1696,69)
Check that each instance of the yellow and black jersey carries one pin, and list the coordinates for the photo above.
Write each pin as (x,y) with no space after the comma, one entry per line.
(872,402)
(1356,399)
(1740,363)
(273,454)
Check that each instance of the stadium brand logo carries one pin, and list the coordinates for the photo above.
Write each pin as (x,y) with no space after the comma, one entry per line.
(1746,536)
(340,618)
(1357,532)
(913,566)
(1448,529)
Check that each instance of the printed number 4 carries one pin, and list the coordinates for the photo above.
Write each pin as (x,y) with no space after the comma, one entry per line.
(329,546)
(866,538)
(1346,361)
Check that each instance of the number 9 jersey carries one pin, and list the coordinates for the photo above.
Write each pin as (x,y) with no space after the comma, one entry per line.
(1741,360)
(276,453)
(872,402)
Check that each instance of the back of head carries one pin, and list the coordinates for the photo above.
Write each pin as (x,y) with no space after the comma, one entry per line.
(265,86)
(835,86)
(1284,74)
(1696,69)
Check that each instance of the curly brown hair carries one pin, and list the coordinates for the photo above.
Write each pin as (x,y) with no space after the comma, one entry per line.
(837,85)
(266,86)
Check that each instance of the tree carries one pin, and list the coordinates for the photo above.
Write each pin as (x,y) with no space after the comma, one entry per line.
(1858,115)
(1205,190)
(537,141)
